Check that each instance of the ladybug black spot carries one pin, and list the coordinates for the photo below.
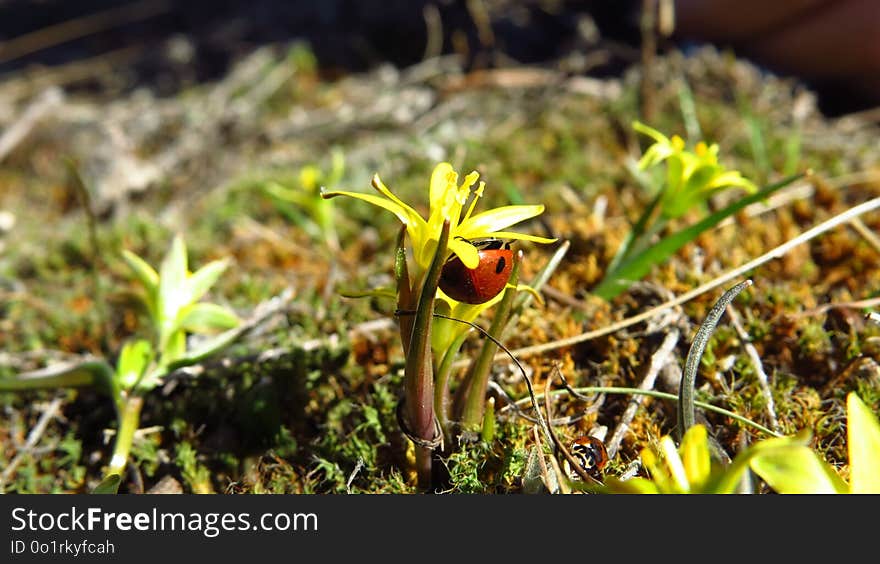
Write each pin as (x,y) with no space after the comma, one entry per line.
(499,267)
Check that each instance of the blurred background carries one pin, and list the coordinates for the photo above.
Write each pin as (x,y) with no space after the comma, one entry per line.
(167,45)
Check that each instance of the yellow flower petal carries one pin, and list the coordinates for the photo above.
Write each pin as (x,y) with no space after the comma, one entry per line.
(468,254)
(484,224)
(521,237)
(443,179)
(404,213)
(380,186)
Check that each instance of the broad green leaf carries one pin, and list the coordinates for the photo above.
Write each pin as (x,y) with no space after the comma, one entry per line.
(206,318)
(147,276)
(109,485)
(863,440)
(740,464)
(173,290)
(201,280)
(206,348)
(175,347)
(133,361)
(796,469)
(145,273)
(631,486)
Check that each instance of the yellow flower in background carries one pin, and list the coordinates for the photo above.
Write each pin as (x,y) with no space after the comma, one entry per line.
(691,176)
(456,202)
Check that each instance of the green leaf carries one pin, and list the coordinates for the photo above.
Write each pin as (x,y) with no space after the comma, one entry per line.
(173,289)
(109,485)
(206,348)
(145,273)
(631,486)
(201,280)
(863,440)
(796,469)
(174,348)
(636,267)
(133,361)
(733,474)
(95,373)
(147,276)
(206,318)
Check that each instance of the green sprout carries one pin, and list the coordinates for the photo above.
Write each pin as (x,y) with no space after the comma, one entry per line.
(172,299)
(691,179)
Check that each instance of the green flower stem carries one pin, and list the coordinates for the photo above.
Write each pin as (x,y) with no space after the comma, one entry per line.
(129,414)
(404,291)
(418,371)
(441,382)
(474,387)
(635,234)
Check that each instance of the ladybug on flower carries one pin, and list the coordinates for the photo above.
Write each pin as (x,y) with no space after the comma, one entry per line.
(462,261)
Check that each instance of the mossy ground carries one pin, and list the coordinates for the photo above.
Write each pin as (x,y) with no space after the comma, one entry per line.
(319,414)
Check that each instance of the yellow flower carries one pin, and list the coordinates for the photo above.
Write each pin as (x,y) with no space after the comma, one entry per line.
(455,202)
(691,176)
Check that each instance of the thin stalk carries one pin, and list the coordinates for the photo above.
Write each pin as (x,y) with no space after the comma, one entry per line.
(474,387)
(659,395)
(637,231)
(418,372)
(441,382)
(129,415)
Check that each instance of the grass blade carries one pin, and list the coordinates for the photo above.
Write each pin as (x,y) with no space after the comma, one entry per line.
(701,339)
(638,266)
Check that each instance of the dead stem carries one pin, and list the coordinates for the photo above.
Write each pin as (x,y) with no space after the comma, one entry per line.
(755,359)
(49,412)
(661,357)
(869,236)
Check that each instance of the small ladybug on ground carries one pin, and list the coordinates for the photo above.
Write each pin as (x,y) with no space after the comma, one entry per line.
(590,453)
(481,284)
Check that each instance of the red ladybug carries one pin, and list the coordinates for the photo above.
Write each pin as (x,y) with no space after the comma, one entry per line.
(480,284)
